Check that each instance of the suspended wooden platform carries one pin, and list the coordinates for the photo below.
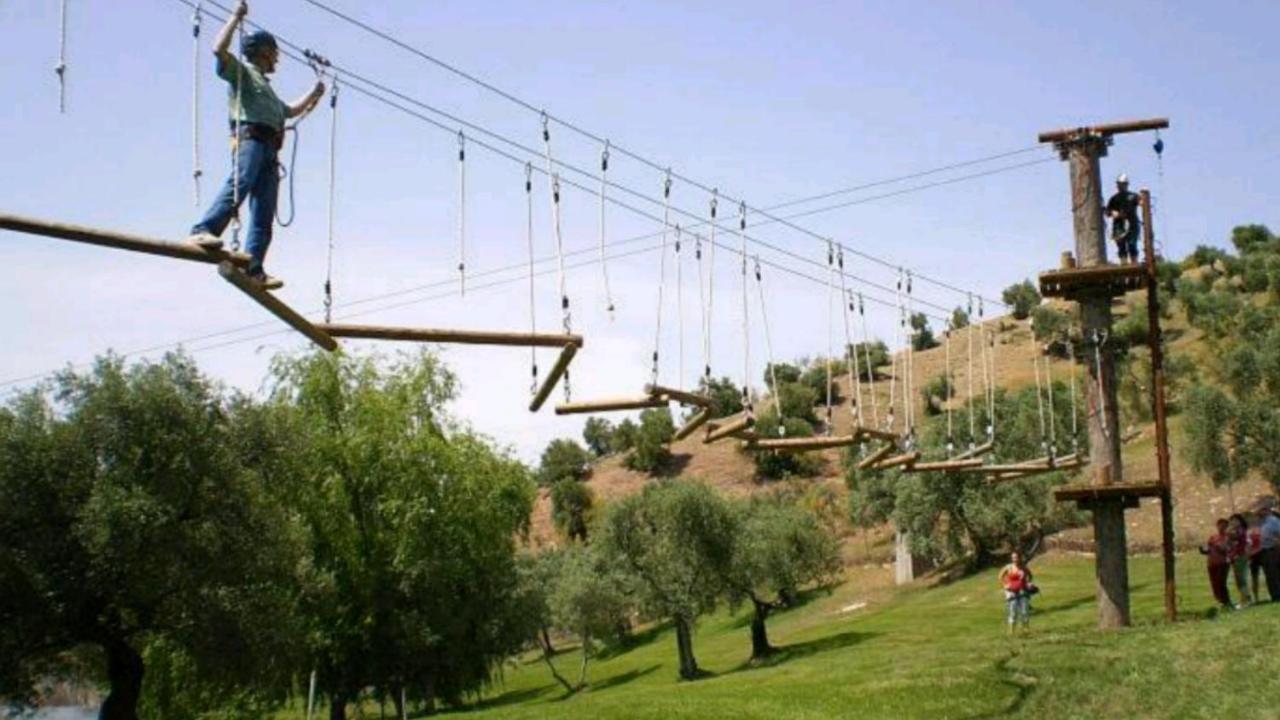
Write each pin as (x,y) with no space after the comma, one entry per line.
(693,423)
(719,432)
(1130,493)
(643,402)
(945,465)
(976,451)
(804,444)
(885,435)
(450,337)
(1108,280)
(242,282)
(905,459)
(119,241)
(871,460)
(680,396)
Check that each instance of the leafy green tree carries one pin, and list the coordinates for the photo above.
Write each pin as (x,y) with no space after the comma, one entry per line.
(815,378)
(726,397)
(653,440)
(1254,239)
(1021,298)
(412,521)
(878,353)
(959,319)
(135,515)
(936,393)
(1050,326)
(624,436)
(1205,255)
(921,334)
(598,434)
(571,505)
(782,372)
(589,599)
(797,400)
(773,465)
(780,548)
(563,459)
(676,540)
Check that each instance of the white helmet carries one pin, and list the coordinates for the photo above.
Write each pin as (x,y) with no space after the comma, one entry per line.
(1122,179)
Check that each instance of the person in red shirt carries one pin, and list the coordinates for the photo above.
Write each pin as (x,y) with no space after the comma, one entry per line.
(1015,578)
(1238,545)
(1218,552)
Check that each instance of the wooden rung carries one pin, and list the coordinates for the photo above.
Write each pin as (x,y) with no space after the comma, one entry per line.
(977,451)
(454,337)
(804,444)
(693,423)
(610,405)
(557,371)
(275,306)
(885,435)
(1066,462)
(120,241)
(875,457)
(945,465)
(898,461)
(733,428)
(680,396)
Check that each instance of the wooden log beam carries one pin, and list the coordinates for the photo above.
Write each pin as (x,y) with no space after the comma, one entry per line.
(693,423)
(452,337)
(680,396)
(557,371)
(885,435)
(723,431)
(945,465)
(119,241)
(869,461)
(610,405)
(275,306)
(804,444)
(1108,129)
(976,451)
(906,459)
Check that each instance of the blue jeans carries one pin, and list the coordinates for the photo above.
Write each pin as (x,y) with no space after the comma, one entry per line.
(1017,607)
(260,182)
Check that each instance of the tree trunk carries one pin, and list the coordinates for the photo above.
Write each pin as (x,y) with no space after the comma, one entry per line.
(546,642)
(586,657)
(760,647)
(338,707)
(124,669)
(546,657)
(1112,565)
(398,699)
(684,645)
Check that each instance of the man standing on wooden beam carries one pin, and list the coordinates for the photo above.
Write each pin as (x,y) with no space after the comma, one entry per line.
(1122,208)
(257,125)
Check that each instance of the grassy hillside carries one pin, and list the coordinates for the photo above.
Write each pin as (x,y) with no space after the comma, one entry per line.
(869,651)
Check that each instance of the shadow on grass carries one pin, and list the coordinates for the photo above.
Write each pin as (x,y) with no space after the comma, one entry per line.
(633,641)
(513,697)
(787,653)
(622,679)
(1022,684)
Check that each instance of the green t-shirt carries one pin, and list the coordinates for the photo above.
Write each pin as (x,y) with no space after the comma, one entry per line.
(261,105)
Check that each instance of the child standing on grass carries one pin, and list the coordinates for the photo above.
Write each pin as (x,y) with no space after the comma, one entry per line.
(1238,543)
(1217,550)
(1015,578)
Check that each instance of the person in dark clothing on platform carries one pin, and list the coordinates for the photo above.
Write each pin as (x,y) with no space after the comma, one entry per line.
(1122,209)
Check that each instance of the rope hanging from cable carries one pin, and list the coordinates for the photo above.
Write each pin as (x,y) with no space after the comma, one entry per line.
(604,264)
(462,213)
(553,178)
(533,306)
(768,347)
(61,68)
(196,171)
(850,349)
(746,316)
(662,277)
(333,181)
(235,143)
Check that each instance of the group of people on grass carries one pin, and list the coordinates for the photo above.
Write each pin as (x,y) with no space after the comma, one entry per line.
(1244,547)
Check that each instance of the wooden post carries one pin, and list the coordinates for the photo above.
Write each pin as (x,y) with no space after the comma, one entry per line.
(1082,148)
(120,241)
(1156,342)
(557,371)
(275,306)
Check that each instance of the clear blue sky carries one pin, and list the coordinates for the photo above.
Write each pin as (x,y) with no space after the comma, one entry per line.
(768,101)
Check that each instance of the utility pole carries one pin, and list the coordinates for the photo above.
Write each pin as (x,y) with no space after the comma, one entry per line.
(1082,148)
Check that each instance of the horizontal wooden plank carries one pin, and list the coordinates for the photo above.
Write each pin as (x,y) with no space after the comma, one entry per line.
(805,444)
(681,396)
(118,240)
(643,402)
(693,423)
(453,337)
(275,306)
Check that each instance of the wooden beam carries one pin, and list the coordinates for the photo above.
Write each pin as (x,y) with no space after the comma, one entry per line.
(275,306)
(1104,130)
(610,405)
(557,371)
(977,451)
(1044,464)
(885,435)
(120,241)
(452,337)
(723,431)
(693,423)
(898,461)
(804,444)
(867,462)
(1120,490)
(945,465)
(680,396)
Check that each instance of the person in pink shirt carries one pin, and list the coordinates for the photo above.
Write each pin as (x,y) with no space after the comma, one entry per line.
(1238,546)
(1015,578)
(1217,550)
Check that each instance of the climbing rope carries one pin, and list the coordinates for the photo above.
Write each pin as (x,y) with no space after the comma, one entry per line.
(662,275)
(680,306)
(61,68)
(604,265)
(462,213)
(709,300)
(287,174)
(1053,433)
(1035,364)
(1075,422)
(235,144)
(768,347)
(871,369)
(554,178)
(1099,339)
(893,365)
(850,349)
(533,306)
(973,428)
(746,316)
(946,392)
(333,181)
(196,171)
(831,288)
(909,383)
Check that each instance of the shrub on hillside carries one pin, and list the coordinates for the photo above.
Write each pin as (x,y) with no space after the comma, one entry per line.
(775,466)
(571,503)
(563,459)
(921,333)
(1021,298)
(598,434)
(624,436)
(651,451)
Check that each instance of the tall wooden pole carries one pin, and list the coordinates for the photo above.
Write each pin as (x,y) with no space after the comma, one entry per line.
(1156,342)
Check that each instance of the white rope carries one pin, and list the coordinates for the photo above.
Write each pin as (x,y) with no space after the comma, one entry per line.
(709,316)
(680,306)
(1075,423)
(604,265)
(831,321)
(662,275)
(909,384)
(871,370)
(746,316)
(1098,340)
(768,347)
(1048,381)
(973,428)
(946,392)
(850,350)
(1035,364)
(553,178)
(333,181)
(988,372)
(462,213)
(533,305)
(61,68)
(196,171)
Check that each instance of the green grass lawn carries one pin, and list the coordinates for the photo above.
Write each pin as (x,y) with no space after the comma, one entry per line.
(939,652)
